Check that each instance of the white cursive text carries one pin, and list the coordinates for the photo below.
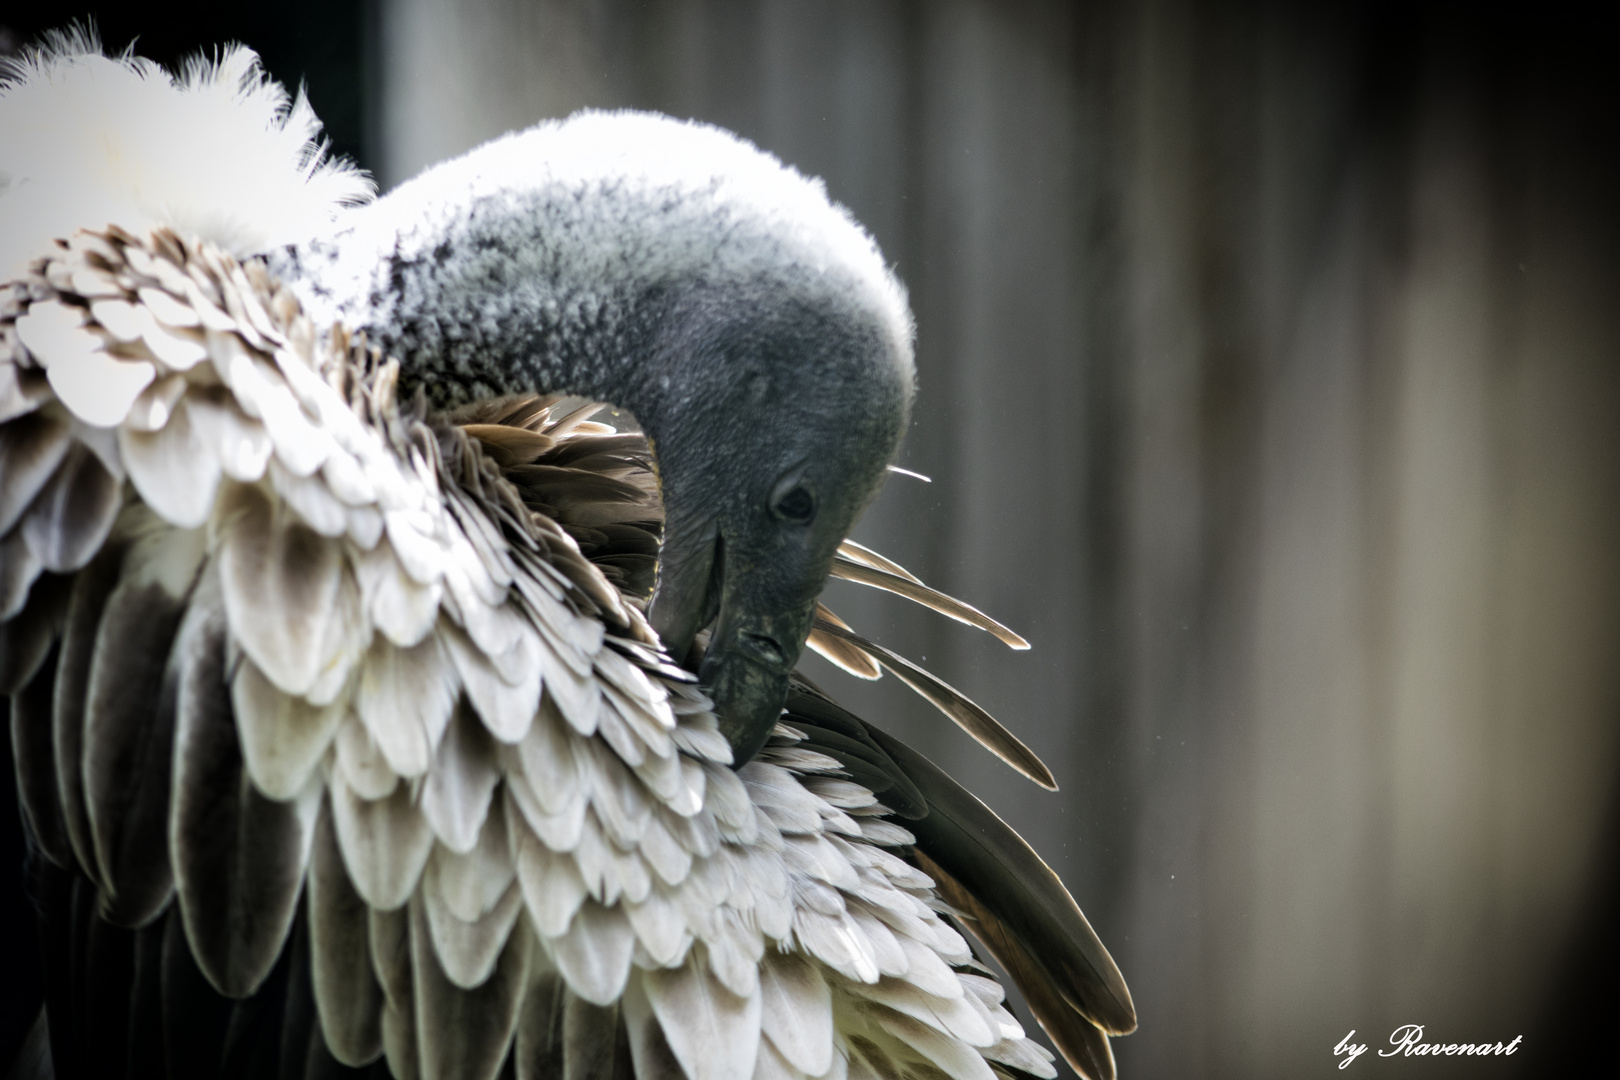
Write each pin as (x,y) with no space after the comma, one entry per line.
(1407,1041)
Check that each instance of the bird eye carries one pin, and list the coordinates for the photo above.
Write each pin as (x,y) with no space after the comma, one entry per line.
(796,505)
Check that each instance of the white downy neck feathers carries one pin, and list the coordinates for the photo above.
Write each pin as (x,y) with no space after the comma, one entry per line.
(586,211)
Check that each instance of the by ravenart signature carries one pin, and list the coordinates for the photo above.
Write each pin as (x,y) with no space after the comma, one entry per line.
(1407,1041)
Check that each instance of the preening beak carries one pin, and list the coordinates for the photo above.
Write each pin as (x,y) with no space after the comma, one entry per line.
(755,643)
(746,668)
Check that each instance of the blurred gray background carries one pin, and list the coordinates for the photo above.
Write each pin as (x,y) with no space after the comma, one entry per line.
(1270,385)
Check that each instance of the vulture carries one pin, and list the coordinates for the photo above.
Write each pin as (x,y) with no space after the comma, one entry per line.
(376,711)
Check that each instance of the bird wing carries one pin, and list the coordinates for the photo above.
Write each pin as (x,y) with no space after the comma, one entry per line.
(291,661)
(993,882)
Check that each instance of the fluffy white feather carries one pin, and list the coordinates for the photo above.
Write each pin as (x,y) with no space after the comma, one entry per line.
(219,151)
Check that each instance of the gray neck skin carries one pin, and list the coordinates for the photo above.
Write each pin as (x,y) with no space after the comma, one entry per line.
(512,295)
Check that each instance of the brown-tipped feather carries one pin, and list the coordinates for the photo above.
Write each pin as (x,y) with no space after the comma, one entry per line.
(969,716)
(570,421)
(508,444)
(912,589)
(860,553)
(840,652)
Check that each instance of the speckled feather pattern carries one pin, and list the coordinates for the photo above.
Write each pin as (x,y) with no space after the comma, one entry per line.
(529,263)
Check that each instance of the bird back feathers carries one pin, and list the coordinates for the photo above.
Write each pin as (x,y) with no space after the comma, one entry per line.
(323,670)
(218,152)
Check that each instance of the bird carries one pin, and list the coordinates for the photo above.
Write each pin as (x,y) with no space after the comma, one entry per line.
(377,711)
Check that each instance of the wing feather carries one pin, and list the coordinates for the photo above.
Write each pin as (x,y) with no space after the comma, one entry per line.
(282,582)
(464,1033)
(173,468)
(549,760)
(19,567)
(405,698)
(34,752)
(68,520)
(504,699)
(31,450)
(457,793)
(713,1033)
(596,1045)
(553,887)
(238,856)
(467,949)
(240,442)
(91,591)
(390,935)
(593,953)
(968,716)
(35,629)
(385,842)
(954,1017)
(951,1056)
(849,549)
(796,1011)
(964,840)
(283,736)
(471,883)
(909,587)
(359,763)
(128,741)
(838,651)
(347,994)
(650,1052)
(195,1016)
(538,1048)
(387,631)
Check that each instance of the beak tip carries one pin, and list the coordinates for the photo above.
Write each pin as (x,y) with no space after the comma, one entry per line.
(747,697)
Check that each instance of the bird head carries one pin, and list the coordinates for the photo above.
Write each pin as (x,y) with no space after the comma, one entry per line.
(676,271)
(795,396)
(792,405)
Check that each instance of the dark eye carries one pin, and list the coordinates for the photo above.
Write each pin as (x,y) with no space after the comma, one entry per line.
(796,505)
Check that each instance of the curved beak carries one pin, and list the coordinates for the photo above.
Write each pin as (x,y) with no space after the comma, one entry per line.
(747,666)
(756,641)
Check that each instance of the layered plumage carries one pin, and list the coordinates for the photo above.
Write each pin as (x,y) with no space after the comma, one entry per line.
(345,741)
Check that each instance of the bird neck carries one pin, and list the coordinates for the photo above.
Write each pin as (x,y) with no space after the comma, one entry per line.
(503,294)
